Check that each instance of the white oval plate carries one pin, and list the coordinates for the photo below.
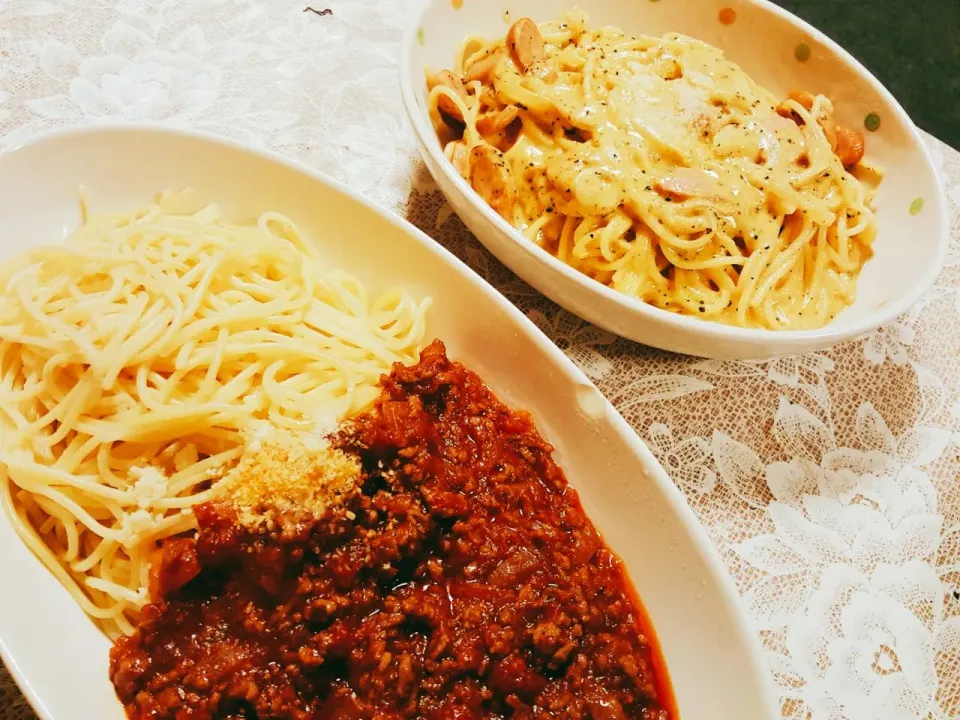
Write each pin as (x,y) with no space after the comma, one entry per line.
(60,658)
(910,248)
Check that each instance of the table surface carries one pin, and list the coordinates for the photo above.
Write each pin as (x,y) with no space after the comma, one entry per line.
(827,481)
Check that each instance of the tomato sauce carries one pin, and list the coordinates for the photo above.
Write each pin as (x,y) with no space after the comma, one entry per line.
(463,580)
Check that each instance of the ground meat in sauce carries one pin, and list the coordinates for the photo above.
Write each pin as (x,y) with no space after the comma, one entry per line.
(463,582)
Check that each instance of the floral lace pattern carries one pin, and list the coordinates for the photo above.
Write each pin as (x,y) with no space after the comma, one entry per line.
(827,481)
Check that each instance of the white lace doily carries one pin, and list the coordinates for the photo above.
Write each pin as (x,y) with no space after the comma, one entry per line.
(828,481)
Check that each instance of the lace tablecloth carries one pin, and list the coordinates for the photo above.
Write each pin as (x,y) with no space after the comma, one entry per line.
(827,481)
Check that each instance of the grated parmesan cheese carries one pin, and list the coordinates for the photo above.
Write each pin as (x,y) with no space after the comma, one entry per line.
(150,485)
(286,477)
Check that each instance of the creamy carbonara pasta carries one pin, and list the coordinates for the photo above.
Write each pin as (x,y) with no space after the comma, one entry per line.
(661,169)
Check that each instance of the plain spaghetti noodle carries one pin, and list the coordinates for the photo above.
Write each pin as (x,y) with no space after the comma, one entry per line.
(659,168)
(136,357)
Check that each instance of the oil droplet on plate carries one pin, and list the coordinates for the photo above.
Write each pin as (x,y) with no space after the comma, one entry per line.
(727,16)
(916,206)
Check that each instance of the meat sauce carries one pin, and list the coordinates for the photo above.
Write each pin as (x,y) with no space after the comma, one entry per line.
(462,581)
